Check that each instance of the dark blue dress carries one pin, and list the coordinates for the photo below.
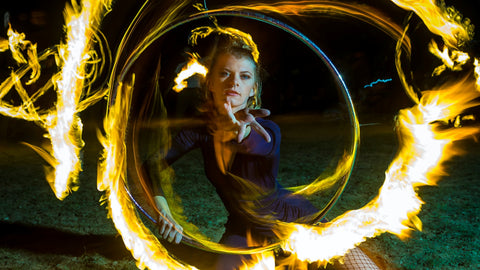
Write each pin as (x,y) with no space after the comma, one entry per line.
(249,190)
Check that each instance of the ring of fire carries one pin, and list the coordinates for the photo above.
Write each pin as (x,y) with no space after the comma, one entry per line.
(346,164)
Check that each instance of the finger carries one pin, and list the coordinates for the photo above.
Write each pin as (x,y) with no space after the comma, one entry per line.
(164,226)
(244,119)
(231,115)
(241,133)
(162,220)
(260,112)
(257,127)
(227,106)
(171,235)
(167,231)
(179,236)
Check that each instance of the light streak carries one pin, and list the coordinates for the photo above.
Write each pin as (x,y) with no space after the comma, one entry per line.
(424,147)
(452,59)
(111,179)
(376,82)
(17,44)
(62,123)
(441,20)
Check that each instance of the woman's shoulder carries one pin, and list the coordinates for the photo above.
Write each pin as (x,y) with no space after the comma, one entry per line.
(267,123)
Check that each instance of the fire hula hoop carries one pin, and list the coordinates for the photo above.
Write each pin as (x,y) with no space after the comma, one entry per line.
(353,121)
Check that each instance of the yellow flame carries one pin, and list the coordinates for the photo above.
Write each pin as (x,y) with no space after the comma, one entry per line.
(18,44)
(4,44)
(204,31)
(143,244)
(260,261)
(424,147)
(444,21)
(476,64)
(193,67)
(441,20)
(337,9)
(452,59)
(63,125)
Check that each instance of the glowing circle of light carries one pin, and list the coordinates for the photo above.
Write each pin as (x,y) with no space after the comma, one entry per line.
(355,130)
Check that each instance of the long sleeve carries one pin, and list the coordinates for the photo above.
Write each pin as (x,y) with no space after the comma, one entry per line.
(157,167)
(185,141)
(255,144)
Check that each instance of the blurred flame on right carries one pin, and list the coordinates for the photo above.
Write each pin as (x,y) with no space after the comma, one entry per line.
(427,134)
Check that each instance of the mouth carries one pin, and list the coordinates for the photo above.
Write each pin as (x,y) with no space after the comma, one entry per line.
(230,93)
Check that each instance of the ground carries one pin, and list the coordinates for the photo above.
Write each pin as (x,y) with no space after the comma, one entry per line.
(38,231)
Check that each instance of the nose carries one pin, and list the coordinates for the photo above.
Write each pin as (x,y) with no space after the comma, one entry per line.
(233,80)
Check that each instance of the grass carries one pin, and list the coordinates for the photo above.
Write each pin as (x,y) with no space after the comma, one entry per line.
(450,215)
(449,238)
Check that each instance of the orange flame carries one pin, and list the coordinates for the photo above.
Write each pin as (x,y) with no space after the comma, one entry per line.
(452,59)
(62,123)
(424,147)
(441,20)
(476,64)
(193,67)
(18,44)
(111,179)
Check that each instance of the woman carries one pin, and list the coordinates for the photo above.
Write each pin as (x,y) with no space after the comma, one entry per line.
(241,152)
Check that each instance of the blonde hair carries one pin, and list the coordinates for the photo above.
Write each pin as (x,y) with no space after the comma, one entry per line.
(228,40)
(253,102)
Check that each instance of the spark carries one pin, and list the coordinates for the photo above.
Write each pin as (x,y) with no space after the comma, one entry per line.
(376,82)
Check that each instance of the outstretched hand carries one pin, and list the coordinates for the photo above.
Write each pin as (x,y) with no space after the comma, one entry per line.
(245,119)
(169,229)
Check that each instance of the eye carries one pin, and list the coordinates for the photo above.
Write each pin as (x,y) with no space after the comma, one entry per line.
(245,76)
(223,73)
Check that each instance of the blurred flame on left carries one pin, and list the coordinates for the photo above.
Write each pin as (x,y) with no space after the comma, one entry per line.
(76,63)
(144,245)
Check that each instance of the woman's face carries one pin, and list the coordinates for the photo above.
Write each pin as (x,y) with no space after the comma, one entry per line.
(232,80)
